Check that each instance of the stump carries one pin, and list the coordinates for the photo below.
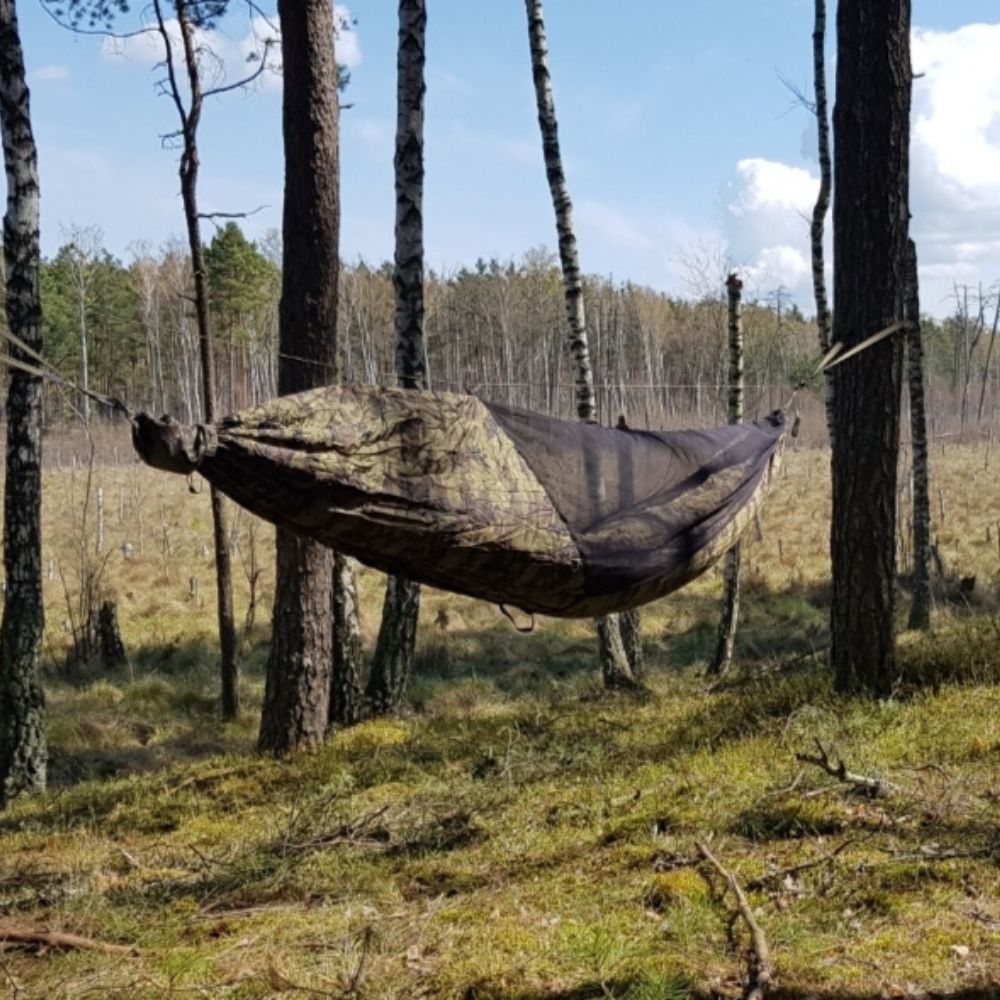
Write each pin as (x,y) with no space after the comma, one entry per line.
(109,636)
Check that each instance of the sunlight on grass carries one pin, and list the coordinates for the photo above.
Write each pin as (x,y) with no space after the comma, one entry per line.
(518,834)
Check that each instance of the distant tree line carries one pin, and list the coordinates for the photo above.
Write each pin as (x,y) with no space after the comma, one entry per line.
(496,328)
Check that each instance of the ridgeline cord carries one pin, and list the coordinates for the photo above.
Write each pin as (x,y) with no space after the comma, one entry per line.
(45,370)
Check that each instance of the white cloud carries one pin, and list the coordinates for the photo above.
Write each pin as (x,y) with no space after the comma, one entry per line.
(954,178)
(227,56)
(779,267)
(765,208)
(348,44)
(52,72)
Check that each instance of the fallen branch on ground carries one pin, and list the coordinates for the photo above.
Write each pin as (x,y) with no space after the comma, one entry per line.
(62,939)
(761,973)
(779,876)
(874,787)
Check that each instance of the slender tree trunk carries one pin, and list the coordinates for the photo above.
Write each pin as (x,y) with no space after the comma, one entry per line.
(871,217)
(723,656)
(297,690)
(822,206)
(190,119)
(84,358)
(395,647)
(347,688)
(987,363)
(23,754)
(614,661)
(920,609)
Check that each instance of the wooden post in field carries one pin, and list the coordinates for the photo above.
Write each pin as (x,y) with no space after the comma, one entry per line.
(100,520)
(731,596)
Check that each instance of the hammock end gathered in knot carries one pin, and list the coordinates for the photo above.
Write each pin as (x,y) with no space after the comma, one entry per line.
(166,444)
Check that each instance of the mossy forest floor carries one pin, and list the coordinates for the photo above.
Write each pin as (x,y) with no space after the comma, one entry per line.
(519,833)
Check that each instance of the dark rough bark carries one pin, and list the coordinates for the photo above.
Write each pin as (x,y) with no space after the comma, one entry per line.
(190,118)
(726,638)
(614,661)
(297,689)
(347,689)
(397,635)
(23,753)
(920,608)
(870,220)
(392,663)
(822,205)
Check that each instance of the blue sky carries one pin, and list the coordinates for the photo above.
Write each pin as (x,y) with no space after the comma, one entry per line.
(681,142)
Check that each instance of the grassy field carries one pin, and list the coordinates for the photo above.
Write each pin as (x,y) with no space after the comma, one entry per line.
(519,834)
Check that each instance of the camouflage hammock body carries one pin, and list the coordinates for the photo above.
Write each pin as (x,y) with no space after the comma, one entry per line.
(501,504)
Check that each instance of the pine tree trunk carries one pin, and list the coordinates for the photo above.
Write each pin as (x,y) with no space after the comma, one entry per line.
(397,635)
(870,217)
(614,662)
(723,656)
(297,688)
(393,663)
(920,608)
(23,753)
(189,165)
(822,206)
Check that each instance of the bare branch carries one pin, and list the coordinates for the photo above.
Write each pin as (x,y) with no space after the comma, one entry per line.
(761,972)
(212,216)
(874,787)
(823,859)
(247,80)
(62,939)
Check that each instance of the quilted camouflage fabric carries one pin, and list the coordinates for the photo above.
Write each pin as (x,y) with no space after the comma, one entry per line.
(505,505)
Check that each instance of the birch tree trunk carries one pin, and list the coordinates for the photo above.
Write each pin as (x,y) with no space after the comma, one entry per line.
(190,118)
(822,201)
(870,218)
(394,649)
(723,656)
(346,681)
(920,608)
(297,689)
(23,753)
(614,663)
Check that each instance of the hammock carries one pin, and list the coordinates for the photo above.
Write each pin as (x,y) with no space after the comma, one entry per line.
(552,517)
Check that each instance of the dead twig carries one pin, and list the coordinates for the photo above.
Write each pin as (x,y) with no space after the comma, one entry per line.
(780,876)
(761,973)
(354,986)
(875,787)
(210,776)
(362,833)
(43,940)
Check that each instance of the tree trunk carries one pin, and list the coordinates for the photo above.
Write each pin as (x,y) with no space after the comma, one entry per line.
(920,609)
(297,689)
(347,689)
(190,119)
(822,206)
(23,754)
(397,635)
(393,663)
(870,217)
(614,663)
(726,639)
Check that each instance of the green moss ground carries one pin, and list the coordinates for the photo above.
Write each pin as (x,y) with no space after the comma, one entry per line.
(519,835)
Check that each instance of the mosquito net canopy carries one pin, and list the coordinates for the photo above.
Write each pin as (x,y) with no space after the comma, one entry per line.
(546,515)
